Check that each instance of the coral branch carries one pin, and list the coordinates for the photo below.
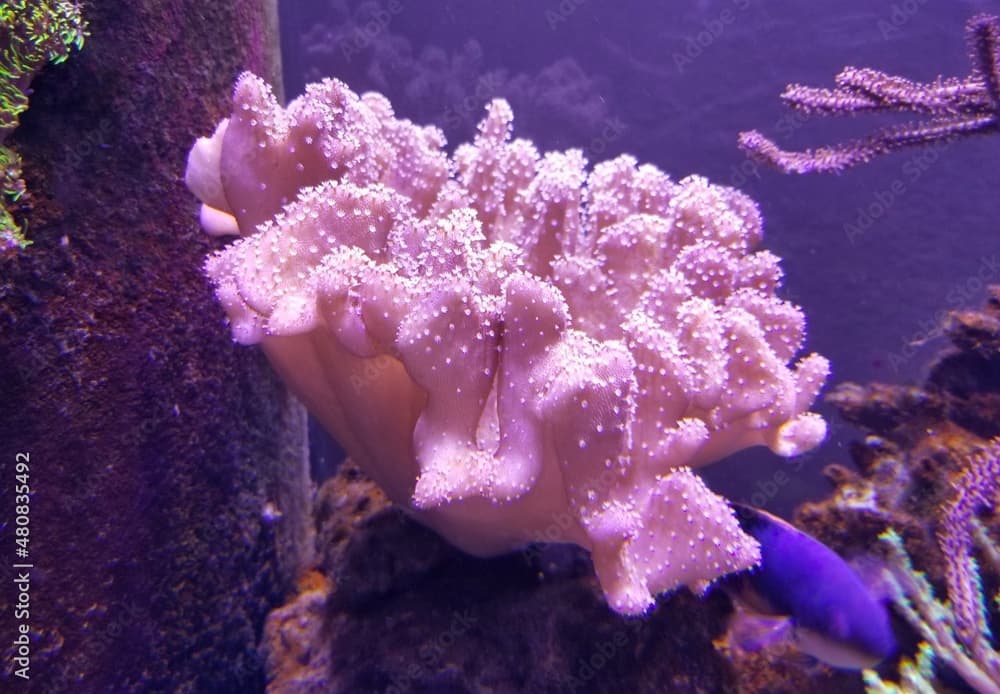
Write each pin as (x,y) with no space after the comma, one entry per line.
(958,107)
(937,622)
(977,488)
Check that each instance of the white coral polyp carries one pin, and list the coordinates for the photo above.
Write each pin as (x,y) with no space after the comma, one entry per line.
(514,348)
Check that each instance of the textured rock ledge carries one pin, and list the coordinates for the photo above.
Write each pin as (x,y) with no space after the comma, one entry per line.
(393,608)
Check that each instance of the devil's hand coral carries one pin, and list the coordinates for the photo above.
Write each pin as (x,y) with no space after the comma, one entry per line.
(511,346)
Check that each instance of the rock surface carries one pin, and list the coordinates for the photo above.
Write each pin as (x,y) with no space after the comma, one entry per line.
(392,608)
(156,446)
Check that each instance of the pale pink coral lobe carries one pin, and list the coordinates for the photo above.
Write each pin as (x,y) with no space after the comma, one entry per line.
(502,337)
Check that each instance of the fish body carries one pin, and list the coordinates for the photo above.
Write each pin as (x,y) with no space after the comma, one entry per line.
(834,615)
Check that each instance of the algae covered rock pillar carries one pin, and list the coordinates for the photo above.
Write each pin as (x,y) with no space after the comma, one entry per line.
(167,468)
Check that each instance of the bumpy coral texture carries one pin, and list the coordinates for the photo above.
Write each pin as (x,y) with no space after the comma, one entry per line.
(512,346)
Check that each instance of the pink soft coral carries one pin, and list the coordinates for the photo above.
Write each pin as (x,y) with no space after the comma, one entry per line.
(503,339)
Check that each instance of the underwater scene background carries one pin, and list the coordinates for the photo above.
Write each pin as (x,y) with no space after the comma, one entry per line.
(225,464)
(677,94)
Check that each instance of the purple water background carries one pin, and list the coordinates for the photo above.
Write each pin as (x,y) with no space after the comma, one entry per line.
(874,256)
